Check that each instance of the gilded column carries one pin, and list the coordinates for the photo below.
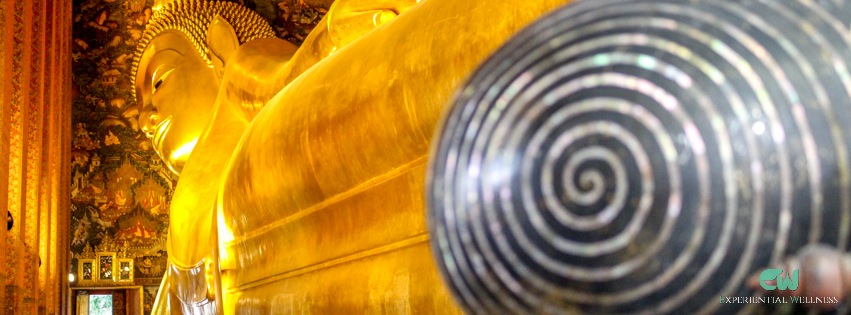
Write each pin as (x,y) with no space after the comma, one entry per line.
(65,102)
(55,160)
(4,145)
(18,77)
(45,243)
(35,141)
(63,38)
(33,156)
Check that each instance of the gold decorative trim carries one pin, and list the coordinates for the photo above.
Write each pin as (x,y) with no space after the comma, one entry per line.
(111,253)
(88,252)
(108,245)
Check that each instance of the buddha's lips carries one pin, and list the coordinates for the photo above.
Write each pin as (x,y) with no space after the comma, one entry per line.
(159,134)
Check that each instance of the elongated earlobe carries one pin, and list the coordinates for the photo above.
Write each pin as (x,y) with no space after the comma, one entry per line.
(222,42)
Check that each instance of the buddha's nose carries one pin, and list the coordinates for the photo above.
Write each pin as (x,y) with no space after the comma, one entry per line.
(148,120)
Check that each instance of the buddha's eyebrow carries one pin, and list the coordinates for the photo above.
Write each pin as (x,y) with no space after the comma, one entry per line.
(157,59)
(166,54)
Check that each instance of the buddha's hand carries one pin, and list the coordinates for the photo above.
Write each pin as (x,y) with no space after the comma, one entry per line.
(823,272)
(350,19)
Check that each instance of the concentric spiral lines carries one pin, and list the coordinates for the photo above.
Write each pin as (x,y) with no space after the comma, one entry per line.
(644,157)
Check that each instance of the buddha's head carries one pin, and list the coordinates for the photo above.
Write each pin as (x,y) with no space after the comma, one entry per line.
(178,69)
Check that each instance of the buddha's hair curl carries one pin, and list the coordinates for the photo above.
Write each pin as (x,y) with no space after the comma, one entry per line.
(193,18)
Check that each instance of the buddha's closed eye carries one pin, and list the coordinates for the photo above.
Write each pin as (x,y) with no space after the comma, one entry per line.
(159,78)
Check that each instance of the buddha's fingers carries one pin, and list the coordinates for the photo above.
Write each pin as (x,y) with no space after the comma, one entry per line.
(346,27)
(823,272)
(348,20)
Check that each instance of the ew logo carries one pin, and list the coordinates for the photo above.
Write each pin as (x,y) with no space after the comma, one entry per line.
(790,283)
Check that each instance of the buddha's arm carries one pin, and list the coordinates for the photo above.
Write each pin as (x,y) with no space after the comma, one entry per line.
(252,76)
(333,167)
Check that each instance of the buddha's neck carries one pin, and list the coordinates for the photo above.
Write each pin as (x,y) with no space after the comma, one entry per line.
(253,76)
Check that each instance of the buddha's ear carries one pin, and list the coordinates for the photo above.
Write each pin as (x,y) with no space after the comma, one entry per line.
(222,42)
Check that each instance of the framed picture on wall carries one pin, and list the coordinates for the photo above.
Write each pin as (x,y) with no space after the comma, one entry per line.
(86,271)
(125,270)
(106,269)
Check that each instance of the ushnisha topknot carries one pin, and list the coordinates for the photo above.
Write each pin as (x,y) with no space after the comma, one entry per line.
(193,17)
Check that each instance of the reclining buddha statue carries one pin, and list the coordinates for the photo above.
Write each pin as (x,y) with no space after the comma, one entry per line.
(616,156)
(302,170)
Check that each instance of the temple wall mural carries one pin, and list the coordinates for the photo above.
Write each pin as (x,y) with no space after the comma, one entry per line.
(120,190)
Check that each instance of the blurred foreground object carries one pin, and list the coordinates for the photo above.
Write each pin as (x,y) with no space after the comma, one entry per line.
(645,157)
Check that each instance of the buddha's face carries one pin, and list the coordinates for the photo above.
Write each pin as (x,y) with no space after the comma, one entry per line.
(177,90)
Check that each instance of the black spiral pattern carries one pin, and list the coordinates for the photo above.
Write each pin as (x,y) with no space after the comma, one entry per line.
(644,156)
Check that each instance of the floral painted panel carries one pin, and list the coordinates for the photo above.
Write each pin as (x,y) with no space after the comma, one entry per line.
(87,271)
(106,267)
